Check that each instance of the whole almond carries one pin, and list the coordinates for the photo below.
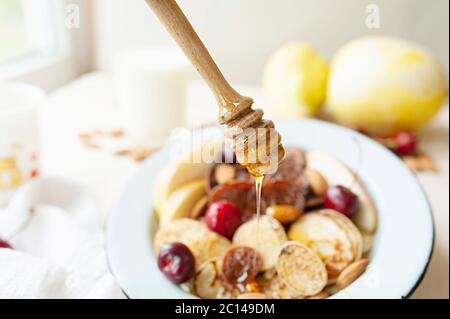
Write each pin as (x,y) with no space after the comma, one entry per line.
(351,273)
(200,207)
(314,201)
(317,182)
(320,295)
(224,173)
(284,213)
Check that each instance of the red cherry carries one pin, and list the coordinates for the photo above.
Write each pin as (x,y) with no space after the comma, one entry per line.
(404,143)
(34,173)
(177,262)
(5,244)
(341,199)
(223,218)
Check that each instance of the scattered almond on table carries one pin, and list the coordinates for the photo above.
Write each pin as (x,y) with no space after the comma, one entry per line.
(87,141)
(137,153)
(123,151)
(140,153)
(116,133)
(420,163)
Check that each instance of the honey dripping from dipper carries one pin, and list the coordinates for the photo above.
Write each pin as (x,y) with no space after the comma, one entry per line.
(255,141)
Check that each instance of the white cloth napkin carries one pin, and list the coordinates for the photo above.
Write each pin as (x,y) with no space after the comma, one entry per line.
(58,246)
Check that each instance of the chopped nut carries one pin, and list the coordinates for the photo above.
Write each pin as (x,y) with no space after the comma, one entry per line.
(224,173)
(317,182)
(89,143)
(351,273)
(427,163)
(140,153)
(116,133)
(284,213)
(123,152)
(420,163)
(200,207)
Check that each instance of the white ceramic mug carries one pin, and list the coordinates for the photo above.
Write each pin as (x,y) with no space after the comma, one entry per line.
(151,87)
(19,136)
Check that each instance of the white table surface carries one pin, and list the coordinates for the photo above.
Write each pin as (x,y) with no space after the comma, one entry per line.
(89,103)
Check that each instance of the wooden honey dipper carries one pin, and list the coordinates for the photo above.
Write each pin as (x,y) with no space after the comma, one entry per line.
(245,126)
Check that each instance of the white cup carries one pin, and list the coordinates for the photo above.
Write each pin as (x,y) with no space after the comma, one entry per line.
(19,136)
(151,87)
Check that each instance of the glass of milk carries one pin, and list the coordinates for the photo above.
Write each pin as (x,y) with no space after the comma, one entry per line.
(151,88)
(19,136)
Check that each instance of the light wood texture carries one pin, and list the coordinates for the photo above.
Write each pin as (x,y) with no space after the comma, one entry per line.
(184,34)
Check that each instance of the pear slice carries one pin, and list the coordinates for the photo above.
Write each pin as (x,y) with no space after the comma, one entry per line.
(181,203)
(179,172)
(328,237)
(301,269)
(338,173)
(265,235)
(208,281)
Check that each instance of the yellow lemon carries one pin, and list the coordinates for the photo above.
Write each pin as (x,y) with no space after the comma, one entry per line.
(384,85)
(295,80)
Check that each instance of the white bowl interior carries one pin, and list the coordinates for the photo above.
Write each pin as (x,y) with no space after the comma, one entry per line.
(404,237)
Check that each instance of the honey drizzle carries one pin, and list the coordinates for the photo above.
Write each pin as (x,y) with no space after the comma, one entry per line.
(258,185)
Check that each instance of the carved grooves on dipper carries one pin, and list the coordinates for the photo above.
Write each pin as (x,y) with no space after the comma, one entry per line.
(241,117)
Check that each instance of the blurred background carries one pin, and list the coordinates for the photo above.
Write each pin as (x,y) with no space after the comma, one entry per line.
(240,34)
(106,85)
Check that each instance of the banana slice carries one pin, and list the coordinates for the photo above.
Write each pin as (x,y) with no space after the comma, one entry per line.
(265,235)
(352,231)
(328,237)
(181,203)
(338,173)
(203,243)
(368,240)
(180,171)
(300,268)
(208,281)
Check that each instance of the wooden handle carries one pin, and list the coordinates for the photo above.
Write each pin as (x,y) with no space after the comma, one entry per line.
(184,34)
